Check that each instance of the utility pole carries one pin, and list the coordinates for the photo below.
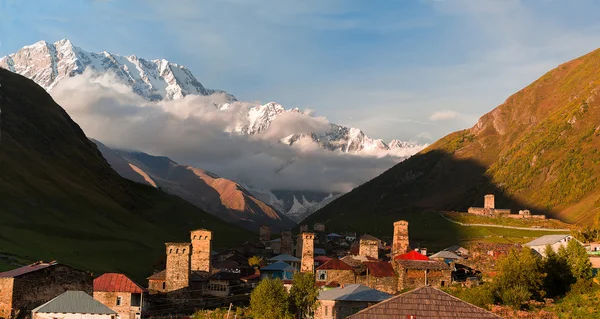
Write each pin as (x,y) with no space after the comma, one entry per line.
(229,310)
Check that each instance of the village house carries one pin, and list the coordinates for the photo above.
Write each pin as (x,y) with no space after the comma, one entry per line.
(278,269)
(445,256)
(320,260)
(337,271)
(26,287)
(378,275)
(555,241)
(73,305)
(415,270)
(120,294)
(421,303)
(290,260)
(346,300)
(274,246)
(458,250)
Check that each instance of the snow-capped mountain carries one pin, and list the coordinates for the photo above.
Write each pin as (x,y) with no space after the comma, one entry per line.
(48,63)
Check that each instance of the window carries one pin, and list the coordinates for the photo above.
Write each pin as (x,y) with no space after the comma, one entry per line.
(442,283)
(184,250)
(164,285)
(326,310)
(119,300)
(322,274)
(136,300)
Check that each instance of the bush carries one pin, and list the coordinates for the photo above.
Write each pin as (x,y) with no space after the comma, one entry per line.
(269,300)
(515,296)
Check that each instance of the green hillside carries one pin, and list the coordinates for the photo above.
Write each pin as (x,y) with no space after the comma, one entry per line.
(61,200)
(540,150)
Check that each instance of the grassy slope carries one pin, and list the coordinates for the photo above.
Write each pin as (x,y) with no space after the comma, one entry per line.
(539,150)
(61,200)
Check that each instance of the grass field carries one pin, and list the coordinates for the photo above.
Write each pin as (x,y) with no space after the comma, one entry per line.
(475,219)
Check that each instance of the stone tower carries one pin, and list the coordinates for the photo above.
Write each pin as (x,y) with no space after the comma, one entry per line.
(264,234)
(400,242)
(286,243)
(178,266)
(369,247)
(201,248)
(489,201)
(308,252)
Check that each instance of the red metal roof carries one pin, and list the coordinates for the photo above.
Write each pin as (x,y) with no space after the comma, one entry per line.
(322,258)
(412,255)
(380,269)
(116,283)
(335,264)
(26,269)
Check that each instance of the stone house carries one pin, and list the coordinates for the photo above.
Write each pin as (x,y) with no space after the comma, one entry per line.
(121,294)
(424,302)
(346,300)
(274,246)
(378,275)
(337,271)
(458,250)
(320,260)
(419,273)
(73,305)
(445,256)
(555,241)
(26,287)
(157,282)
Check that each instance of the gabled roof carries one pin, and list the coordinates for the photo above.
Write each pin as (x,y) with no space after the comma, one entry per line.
(161,275)
(455,248)
(412,255)
(284,257)
(335,264)
(354,292)
(380,269)
(445,254)
(74,302)
(322,258)
(368,237)
(425,302)
(113,282)
(334,235)
(278,266)
(547,240)
(26,269)
(423,264)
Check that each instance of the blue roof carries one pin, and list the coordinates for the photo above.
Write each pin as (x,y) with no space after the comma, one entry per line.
(334,235)
(278,266)
(284,257)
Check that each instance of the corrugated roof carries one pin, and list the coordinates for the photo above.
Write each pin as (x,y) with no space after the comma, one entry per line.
(113,282)
(445,254)
(335,264)
(547,240)
(74,302)
(284,257)
(424,303)
(423,264)
(278,266)
(380,269)
(412,255)
(26,269)
(354,292)
(161,275)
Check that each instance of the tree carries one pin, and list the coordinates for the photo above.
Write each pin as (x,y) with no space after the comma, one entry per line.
(578,260)
(303,295)
(520,278)
(256,261)
(269,300)
(558,273)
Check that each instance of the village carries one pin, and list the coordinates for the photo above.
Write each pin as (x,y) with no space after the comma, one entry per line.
(357,276)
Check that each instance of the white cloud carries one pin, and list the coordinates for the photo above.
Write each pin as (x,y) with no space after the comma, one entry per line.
(443,115)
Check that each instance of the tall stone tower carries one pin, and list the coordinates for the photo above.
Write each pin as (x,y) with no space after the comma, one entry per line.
(286,242)
(201,248)
(308,252)
(489,201)
(369,247)
(299,246)
(178,266)
(264,234)
(400,242)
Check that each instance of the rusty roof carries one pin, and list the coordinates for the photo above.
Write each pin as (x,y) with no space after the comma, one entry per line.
(424,302)
(412,255)
(161,275)
(423,264)
(335,264)
(27,269)
(380,269)
(113,282)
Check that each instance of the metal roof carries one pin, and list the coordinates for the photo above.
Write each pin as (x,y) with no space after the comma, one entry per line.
(334,235)
(380,269)
(278,266)
(354,292)
(445,254)
(26,269)
(284,257)
(335,264)
(113,282)
(412,255)
(74,302)
(424,302)
(547,240)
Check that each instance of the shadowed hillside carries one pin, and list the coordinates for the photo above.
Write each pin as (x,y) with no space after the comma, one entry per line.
(539,150)
(61,200)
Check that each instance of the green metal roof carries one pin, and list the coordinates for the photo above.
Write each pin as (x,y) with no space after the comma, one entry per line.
(74,302)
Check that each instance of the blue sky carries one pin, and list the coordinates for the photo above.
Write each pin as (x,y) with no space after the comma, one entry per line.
(412,69)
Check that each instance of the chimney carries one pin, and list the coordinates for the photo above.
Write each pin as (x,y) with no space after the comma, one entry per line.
(424,251)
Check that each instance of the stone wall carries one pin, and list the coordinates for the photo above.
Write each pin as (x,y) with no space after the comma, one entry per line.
(414,278)
(201,248)
(178,266)
(125,309)
(400,241)
(331,309)
(340,276)
(299,246)
(264,234)
(489,201)
(35,288)
(6,297)
(286,243)
(308,253)
(157,285)
(319,227)
(386,284)
(369,248)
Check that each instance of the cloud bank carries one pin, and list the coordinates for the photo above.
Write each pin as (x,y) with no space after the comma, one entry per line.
(194,131)
(443,115)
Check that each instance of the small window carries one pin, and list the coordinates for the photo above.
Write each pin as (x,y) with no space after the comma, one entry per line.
(164,285)
(183,251)
(177,251)
(326,310)
(322,274)
(442,283)
(171,251)
(195,236)
(119,300)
